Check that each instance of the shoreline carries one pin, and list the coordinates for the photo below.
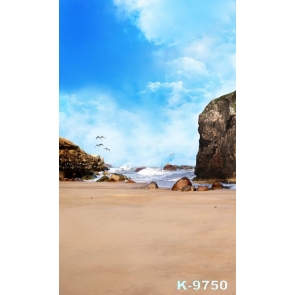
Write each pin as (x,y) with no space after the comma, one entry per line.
(194,182)
(119,238)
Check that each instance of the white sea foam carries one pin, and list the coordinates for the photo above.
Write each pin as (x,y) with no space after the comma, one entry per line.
(173,179)
(91,180)
(164,178)
(151,171)
(125,167)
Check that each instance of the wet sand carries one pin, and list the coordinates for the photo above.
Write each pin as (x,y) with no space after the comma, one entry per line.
(116,238)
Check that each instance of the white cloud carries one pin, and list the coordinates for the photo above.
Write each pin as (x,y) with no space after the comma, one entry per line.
(198,54)
(186,68)
(167,22)
(153,85)
(132,136)
(197,39)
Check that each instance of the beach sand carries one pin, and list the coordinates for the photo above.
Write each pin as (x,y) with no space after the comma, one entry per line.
(117,238)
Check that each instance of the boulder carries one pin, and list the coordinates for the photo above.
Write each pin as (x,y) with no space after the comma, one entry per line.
(153,185)
(112,180)
(139,169)
(217,185)
(188,188)
(170,167)
(102,179)
(130,181)
(179,184)
(118,177)
(202,188)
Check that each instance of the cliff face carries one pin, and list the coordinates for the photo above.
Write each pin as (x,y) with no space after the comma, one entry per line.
(216,157)
(75,163)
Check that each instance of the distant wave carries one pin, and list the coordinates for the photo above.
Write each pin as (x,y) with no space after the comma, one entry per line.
(152,171)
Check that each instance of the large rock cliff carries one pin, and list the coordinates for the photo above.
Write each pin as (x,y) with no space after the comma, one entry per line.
(216,158)
(75,163)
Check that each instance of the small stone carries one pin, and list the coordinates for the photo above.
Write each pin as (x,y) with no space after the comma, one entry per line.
(202,188)
(187,188)
(153,185)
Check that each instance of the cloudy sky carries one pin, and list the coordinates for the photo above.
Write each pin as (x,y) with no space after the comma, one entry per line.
(140,72)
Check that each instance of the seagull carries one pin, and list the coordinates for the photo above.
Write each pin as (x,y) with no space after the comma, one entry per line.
(171,155)
(99,144)
(106,149)
(100,137)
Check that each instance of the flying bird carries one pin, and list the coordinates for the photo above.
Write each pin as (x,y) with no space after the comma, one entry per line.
(106,149)
(171,155)
(100,137)
(99,144)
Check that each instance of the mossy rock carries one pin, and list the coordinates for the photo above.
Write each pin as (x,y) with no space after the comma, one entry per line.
(118,177)
(103,178)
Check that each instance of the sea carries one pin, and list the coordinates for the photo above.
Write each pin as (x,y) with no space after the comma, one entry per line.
(164,178)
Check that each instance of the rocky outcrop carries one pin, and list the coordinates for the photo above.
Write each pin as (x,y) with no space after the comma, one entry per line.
(216,158)
(76,163)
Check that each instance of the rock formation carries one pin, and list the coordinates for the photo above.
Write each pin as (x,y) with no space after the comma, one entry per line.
(216,158)
(75,163)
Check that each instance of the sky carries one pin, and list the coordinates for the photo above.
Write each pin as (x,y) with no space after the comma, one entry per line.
(140,72)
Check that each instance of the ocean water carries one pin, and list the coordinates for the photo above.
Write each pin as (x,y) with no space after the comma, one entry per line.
(164,178)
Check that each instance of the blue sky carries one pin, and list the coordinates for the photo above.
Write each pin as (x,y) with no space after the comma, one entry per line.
(140,73)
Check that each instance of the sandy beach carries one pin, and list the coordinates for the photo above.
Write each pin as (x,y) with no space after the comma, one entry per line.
(117,238)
